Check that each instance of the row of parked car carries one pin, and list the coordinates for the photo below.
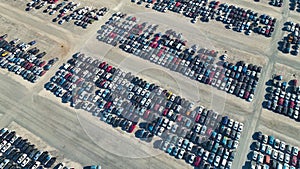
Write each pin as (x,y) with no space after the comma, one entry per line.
(277,3)
(291,42)
(167,50)
(235,18)
(270,152)
(127,101)
(210,142)
(68,11)
(283,97)
(17,152)
(23,59)
(295,4)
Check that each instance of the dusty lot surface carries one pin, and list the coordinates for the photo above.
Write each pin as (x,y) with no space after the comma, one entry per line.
(65,130)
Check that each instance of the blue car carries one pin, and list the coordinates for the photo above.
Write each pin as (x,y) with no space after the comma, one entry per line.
(271,140)
(225,120)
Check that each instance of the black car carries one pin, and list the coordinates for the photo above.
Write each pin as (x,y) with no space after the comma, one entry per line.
(43,156)
(259,136)
(50,162)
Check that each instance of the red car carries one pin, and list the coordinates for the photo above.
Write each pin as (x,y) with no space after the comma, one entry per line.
(209,131)
(292,104)
(165,112)
(161,51)
(280,101)
(208,81)
(179,118)
(146,114)
(131,128)
(156,107)
(107,105)
(174,60)
(246,95)
(102,82)
(52,1)
(42,73)
(197,161)
(68,75)
(198,117)
(42,64)
(29,66)
(212,74)
(102,65)
(295,82)
(108,69)
(294,161)
(78,81)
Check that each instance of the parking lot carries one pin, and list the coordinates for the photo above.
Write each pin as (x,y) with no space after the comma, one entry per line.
(268,151)
(171,51)
(68,11)
(20,148)
(51,125)
(123,100)
(290,41)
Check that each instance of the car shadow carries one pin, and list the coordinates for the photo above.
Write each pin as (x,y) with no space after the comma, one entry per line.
(143,125)
(157,143)
(280,45)
(269,82)
(247,165)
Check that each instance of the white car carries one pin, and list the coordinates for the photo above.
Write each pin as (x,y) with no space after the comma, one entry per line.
(191,158)
(181,153)
(242,92)
(3,143)
(205,155)
(190,146)
(280,156)
(160,131)
(217,161)
(197,128)
(164,145)
(60,166)
(236,125)
(169,125)
(238,136)
(254,155)
(231,89)
(241,127)
(274,154)
(6,161)
(287,158)
(25,162)
(235,144)
(14,139)
(227,87)
(21,158)
(260,158)
(179,142)
(165,122)
(5,147)
(230,123)
(219,137)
